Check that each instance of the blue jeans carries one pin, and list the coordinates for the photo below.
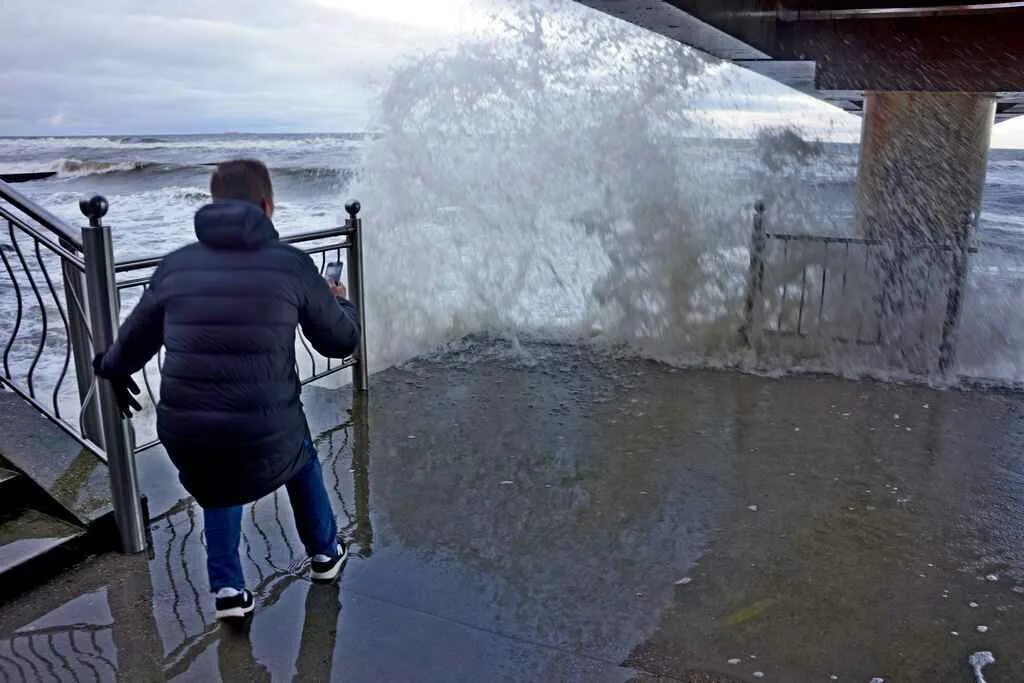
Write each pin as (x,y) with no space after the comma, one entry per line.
(314,520)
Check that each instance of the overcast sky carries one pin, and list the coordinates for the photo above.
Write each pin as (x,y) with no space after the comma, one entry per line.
(190,66)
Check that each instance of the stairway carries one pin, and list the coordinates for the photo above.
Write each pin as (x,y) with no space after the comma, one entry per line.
(54,499)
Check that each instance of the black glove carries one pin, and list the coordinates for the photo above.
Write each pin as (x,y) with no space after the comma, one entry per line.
(124,387)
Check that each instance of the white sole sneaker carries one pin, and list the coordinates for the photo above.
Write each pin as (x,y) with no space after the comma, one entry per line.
(236,607)
(328,571)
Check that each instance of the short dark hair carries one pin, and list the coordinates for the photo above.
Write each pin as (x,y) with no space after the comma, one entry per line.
(245,179)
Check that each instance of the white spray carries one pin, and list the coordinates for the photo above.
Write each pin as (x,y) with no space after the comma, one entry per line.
(978,661)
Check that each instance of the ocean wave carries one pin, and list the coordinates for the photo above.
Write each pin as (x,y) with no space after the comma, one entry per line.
(1006,164)
(314,172)
(253,143)
(77,168)
(138,139)
(1002,221)
(193,195)
(65,202)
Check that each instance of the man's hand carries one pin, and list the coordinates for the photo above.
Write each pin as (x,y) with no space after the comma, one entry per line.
(337,289)
(124,387)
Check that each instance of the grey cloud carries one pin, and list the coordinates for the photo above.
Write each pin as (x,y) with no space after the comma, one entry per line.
(116,66)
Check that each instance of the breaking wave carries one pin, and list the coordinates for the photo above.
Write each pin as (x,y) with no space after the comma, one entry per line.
(77,168)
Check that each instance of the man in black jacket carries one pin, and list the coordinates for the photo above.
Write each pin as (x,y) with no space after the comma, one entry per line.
(225,308)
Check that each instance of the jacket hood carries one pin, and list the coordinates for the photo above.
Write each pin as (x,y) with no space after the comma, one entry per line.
(234,224)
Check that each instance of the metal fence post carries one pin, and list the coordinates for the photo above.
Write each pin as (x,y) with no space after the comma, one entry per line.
(356,292)
(78,337)
(102,297)
(755,286)
(954,298)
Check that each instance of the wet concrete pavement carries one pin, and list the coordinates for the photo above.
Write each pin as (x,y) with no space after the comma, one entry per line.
(551,513)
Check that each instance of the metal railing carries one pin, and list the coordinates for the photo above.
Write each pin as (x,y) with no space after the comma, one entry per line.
(61,299)
(43,314)
(844,289)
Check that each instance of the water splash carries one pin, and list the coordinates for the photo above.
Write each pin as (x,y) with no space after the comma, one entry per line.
(534,181)
(558,178)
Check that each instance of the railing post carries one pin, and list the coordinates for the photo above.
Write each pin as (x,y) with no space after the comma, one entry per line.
(102,306)
(954,298)
(755,286)
(78,337)
(356,292)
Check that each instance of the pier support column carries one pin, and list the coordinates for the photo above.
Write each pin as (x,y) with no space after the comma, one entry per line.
(922,170)
(922,162)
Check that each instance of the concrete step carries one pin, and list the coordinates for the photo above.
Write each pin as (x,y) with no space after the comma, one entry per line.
(70,476)
(33,543)
(54,498)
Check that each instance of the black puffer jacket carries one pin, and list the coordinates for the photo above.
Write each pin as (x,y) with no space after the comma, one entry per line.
(226,309)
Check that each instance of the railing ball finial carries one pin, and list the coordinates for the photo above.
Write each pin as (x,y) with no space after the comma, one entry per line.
(94,208)
(353,208)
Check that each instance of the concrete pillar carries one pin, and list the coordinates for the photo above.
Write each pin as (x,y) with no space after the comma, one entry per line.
(922,174)
(922,162)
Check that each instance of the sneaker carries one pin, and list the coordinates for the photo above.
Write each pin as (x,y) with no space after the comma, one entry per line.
(233,604)
(327,568)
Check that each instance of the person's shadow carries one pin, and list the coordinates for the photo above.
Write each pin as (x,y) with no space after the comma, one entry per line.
(319,633)
(237,661)
(235,658)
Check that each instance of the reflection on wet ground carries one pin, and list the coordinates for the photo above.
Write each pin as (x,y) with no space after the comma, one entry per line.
(550,513)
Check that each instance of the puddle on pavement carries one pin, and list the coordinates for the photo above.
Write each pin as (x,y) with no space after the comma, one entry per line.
(555,514)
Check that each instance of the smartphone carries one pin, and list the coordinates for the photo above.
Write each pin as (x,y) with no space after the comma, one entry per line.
(333,272)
